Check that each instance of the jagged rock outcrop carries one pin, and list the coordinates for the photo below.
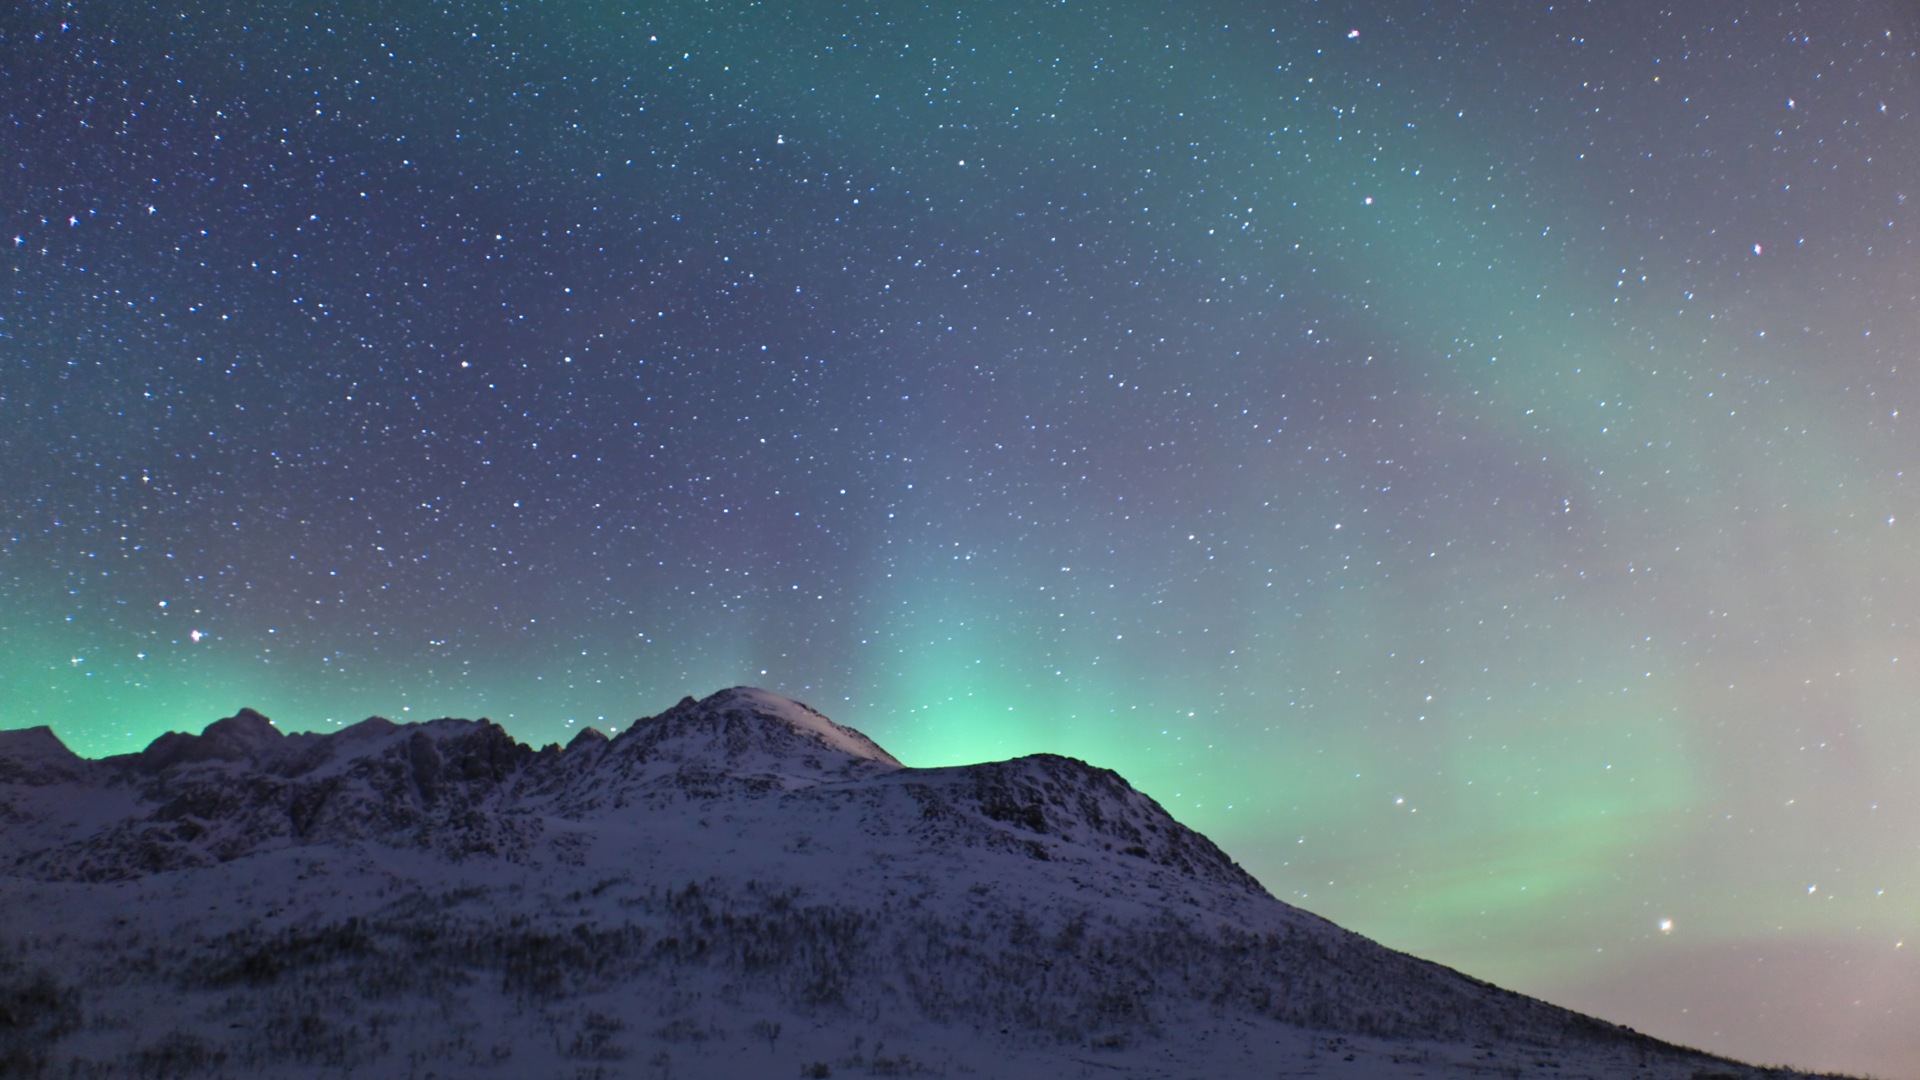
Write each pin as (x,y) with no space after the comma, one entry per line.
(242,787)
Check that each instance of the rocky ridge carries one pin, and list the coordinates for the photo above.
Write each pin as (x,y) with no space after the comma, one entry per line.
(681,894)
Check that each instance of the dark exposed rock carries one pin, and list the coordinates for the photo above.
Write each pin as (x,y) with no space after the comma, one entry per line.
(36,756)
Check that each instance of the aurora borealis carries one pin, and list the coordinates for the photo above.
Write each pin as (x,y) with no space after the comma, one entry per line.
(1456,456)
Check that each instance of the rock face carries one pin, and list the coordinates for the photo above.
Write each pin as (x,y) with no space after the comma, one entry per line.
(735,887)
(241,787)
(35,757)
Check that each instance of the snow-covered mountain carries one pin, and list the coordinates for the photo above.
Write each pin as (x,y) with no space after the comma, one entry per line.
(738,887)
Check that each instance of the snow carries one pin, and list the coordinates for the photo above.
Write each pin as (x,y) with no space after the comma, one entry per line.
(805,720)
(735,887)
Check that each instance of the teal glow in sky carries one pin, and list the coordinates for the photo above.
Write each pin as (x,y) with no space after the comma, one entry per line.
(1458,459)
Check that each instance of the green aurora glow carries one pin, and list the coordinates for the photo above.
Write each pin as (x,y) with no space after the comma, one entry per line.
(1461,468)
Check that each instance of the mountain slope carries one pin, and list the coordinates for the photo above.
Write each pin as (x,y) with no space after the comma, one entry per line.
(735,887)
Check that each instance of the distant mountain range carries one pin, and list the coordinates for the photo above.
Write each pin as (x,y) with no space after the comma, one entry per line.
(737,887)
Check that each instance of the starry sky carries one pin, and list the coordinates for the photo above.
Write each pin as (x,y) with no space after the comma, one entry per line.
(1457,455)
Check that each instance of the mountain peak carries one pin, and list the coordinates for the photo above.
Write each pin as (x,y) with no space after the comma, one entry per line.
(33,742)
(809,723)
(246,728)
(244,736)
(749,732)
(36,755)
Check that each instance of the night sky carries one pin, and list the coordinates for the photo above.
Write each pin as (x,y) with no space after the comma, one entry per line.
(1461,457)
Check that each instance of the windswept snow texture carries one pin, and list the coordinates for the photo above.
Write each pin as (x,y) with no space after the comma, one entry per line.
(736,887)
